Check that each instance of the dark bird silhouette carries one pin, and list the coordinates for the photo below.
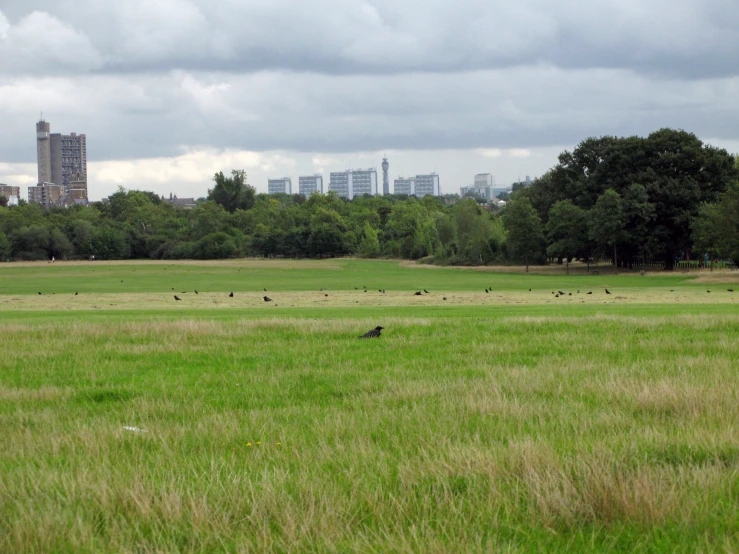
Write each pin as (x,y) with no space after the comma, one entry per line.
(196,291)
(76,293)
(326,295)
(374,333)
(730,290)
(445,298)
(591,292)
(177,297)
(556,296)
(570,294)
(529,290)
(231,295)
(365,290)
(608,291)
(487,291)
(424,290)
(561,293)
(265,290)
(708,291)
(267,299)
(417,294)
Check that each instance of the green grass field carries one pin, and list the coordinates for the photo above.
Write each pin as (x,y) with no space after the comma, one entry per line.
(503,421)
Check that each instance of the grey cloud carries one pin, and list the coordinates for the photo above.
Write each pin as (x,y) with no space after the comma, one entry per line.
(665,38)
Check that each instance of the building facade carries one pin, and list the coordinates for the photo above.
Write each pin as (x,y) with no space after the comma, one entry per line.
(420,185)
(352,183)
(484,180)
(60,158)
(310,184)
(12,194)
(280,186)
(47,194)
(403,185)
(428,185)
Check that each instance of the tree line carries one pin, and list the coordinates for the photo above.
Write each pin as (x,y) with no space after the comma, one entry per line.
(659,197)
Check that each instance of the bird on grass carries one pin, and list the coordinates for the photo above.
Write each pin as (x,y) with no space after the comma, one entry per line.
(608,291)
(76,293)
(416,294)
(267,299)
(231,295)
(591,292)
(196,291)
(529,290)
(730,290)
(556,296)
(445,298)
(177,297)
(39,294)
(265,290)
(427,292)
(487,291)
(708,291)
(561,293)
(374,333)
(326,295)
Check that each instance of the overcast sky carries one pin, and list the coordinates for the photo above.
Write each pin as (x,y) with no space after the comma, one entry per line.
(171,91)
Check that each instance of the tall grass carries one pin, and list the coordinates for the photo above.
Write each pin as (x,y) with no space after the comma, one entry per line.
(513,431)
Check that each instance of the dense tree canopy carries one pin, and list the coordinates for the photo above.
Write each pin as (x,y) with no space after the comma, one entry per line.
(658,197)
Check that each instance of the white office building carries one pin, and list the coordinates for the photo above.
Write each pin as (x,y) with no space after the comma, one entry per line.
(280,186)
(403,185)
(483,180)
(352,183)
(427,185)
(310,184)
(420,185)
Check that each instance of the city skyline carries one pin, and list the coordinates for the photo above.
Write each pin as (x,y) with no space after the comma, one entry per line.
(172,91)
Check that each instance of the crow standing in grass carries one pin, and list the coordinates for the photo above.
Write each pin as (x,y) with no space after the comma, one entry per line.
(427,292)
(231,295)
(267,299)
(416,294)
(177,297)
(196,291)
(374,333)
(729,290)
(608,291)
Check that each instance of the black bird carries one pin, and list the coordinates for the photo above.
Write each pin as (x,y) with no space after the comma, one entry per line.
(374,333)
(326,295)
(445,298)
(365,290)
(608,291)
(417,294)
(570,294)
(591,292)
(267,299)
(196,291)
(76,293)
(39,293)
(487,291)
(427,292)
(177,297)
(231,295)
(708,291)
(529,290)
(561,293)
(730,290)
(265,290)
(172,288)
(556,296)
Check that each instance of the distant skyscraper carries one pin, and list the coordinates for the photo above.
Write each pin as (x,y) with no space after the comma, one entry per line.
(43,151)
(352,183)
(60,157)
(277,186)
(385,178)
(310,184)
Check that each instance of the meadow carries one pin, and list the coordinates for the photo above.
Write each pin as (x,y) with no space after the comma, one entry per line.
(508,421)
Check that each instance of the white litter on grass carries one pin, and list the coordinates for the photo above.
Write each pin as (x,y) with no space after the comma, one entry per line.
(134,429)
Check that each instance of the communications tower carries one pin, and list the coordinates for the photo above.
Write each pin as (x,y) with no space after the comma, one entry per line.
(385,179)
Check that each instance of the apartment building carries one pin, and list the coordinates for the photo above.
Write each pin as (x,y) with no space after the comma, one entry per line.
(280,186)
(310,184)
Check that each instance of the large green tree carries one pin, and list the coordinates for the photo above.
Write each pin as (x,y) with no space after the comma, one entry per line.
(233,193)
(525,238)
(567,231)
(607,223)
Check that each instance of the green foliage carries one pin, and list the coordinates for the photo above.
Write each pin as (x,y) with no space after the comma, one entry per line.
(5,247)
(525,234)
(370,245)
(232,193)
(716,230)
